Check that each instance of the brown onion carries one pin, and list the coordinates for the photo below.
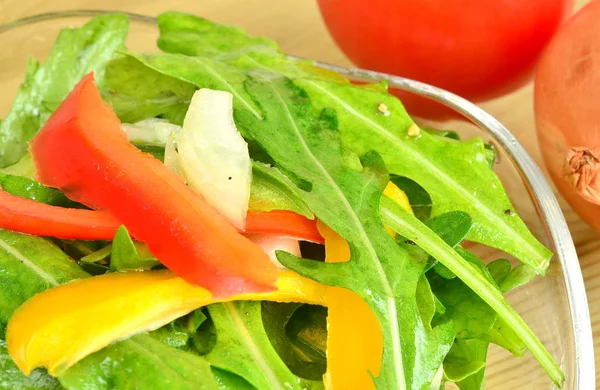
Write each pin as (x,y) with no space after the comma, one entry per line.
(567,108)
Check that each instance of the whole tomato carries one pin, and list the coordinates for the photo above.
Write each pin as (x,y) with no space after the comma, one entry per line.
(478,49)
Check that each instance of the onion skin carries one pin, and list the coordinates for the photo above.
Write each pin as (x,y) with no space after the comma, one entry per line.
(567,110)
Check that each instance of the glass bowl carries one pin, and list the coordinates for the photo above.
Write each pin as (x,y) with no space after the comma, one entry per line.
(555,306)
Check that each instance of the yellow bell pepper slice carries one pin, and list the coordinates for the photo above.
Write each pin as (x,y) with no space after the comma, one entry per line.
(58,327)
(354,337)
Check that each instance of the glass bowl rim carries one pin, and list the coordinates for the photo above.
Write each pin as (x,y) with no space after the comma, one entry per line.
(543,197)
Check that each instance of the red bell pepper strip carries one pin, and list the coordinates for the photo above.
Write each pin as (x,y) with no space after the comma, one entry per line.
(40,219)
(82,151)
(283,223)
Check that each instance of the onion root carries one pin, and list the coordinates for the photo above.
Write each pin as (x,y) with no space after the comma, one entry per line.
(582,169)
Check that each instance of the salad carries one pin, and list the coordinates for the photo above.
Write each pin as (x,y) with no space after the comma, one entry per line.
(217,215)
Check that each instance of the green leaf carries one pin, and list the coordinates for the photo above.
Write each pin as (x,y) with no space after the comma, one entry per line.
(272,190)
(379,271)
(297,336)
(229,381)
(472,317)
(456,175)
(410,227)
(244,349)
(520,275)
(24,167)
(29,265)
(465,364)
(194,36)
(499,270)
(137,92)
(125,254)
(11,378)
(140,362)
(31,189)
(419,199)
(99,255)
(76,52)
(203,73)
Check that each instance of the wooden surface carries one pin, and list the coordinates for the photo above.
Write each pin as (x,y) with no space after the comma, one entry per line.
(298,28)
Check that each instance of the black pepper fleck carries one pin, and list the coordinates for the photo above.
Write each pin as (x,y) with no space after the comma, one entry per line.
(229,177)
(509,212)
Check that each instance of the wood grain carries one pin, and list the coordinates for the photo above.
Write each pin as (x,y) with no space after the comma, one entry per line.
(297,26)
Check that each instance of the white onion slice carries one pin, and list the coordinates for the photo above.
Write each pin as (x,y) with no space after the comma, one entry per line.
(270,243)
(214,157)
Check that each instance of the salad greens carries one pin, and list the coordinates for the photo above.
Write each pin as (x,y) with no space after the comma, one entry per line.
(75,53)
(320,148)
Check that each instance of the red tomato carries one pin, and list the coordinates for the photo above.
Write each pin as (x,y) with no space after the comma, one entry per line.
(478,49)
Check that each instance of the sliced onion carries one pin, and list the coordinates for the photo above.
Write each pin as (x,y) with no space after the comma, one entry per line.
(270,244)
(152,131)
(214,157)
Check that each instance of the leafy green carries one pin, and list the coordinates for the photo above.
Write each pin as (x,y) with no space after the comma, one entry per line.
(272,190)
(243,347)
(410,227)
(76,52)
(31,189)
(12,378)
(419,199)
(99,255)
(229,381)
(140,362)
(465,364)
(137,92)
(519,276)
(285,325)
(456,175)
(472,316)
(29,265)
(24,167)
(347,201)
(127,255)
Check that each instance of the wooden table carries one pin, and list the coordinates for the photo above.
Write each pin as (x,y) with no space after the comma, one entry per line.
(297,26)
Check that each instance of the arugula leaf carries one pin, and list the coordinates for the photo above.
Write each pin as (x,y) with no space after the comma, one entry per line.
(140,362)
(29,265)
(419,199)
(244,348)
(410,227)
(380,271)
(13,379)
(137,92)
(520,275)
(465,364)
(24,167)
(272,190)
(194,36)
(455,174)
(472,317)
(437,164)
(31,189)
(203,73)
(229,381)
(284,323)
(76,52)
(127,255)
